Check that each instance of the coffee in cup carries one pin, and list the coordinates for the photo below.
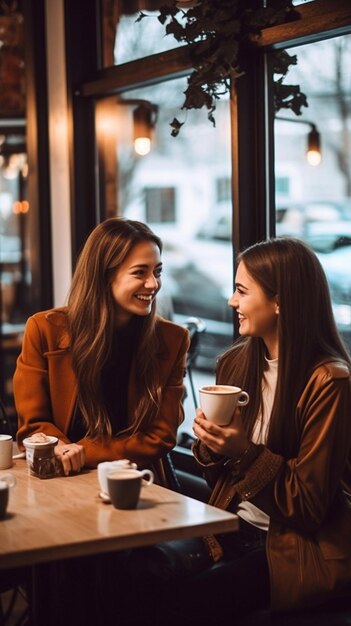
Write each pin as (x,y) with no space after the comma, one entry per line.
(124,486)
(6,445)
(218,402)
(6,481)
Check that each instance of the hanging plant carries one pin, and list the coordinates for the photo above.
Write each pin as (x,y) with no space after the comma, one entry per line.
(219,33)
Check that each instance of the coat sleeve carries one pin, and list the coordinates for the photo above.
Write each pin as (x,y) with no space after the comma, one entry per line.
(33,393)
(153,438)
(299,491)
(303,488)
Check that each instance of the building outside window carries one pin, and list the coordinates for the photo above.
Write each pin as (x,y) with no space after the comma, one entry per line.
(160,205)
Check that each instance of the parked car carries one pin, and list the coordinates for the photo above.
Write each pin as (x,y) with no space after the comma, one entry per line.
(218,227)
(326,237)
(302,219)
(336,265)
(297,219)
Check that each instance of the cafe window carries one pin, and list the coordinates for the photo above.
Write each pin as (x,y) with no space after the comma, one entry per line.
(317,201)
(160,204)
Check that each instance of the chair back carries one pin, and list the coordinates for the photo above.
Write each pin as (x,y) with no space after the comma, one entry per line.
(5,428)
(195,327)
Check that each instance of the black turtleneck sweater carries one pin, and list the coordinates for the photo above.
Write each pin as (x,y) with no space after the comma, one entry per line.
(114,381)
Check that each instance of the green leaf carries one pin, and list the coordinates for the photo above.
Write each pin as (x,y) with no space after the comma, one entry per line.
(167,11)
(289,97)
(176,126)
(210,116)
(282,61)
(141,16)
(175,29)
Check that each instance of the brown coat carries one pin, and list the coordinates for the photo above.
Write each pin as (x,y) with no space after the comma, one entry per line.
(308,498)
(45,390)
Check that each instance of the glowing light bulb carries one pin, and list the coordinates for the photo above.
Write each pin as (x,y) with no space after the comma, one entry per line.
(142,145)
(314,157)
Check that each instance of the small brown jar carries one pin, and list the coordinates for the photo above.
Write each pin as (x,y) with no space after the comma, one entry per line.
(40,455)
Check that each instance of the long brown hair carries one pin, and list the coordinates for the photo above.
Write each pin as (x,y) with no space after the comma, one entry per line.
(91,315)
(288,269)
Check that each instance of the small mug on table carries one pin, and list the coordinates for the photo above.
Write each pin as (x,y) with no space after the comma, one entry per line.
(124,486)
(105,467)
(6,450)
(6,482)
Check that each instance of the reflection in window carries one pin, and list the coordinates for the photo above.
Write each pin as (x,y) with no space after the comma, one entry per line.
(176,190)
(14,245)
(317,204)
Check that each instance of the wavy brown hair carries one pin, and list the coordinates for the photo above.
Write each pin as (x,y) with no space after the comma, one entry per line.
(286,269)
(91,316)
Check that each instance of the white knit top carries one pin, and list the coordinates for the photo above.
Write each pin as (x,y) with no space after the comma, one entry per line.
(248,511)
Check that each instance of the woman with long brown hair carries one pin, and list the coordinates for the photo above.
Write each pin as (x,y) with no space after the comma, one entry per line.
(283,463)
(105,373)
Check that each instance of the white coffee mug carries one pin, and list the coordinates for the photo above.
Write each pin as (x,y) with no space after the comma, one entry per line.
(218,402)
(107,466)
(6,449)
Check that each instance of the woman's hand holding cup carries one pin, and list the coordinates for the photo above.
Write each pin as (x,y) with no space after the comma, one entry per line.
(218,423)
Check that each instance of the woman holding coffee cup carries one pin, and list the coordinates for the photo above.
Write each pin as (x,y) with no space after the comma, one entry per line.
(283,463)
(105,374)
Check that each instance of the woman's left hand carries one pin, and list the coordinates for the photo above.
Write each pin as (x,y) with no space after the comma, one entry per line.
(230,441)
(71,455)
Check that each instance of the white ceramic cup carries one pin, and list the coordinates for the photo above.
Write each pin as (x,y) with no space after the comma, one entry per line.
(6,447)
(6,481)
(218,402)
(124,486)
(107,466)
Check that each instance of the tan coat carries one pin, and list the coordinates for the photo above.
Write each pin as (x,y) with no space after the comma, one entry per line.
(308,498)
(45,390)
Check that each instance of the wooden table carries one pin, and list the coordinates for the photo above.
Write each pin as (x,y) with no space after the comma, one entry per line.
(51,522)
(64,517)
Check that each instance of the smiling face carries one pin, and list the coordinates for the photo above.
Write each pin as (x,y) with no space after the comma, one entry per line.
(258,314)
(137,282)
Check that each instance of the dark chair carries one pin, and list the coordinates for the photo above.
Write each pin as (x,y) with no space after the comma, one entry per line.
(195,327)
(5,428)
(14,605)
